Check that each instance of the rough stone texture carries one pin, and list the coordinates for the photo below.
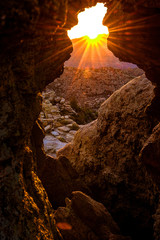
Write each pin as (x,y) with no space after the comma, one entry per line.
(105,153)
(28,61)
(90,87)
(157,223)
(91,218)
(60,179)
(150,154)
(33,48)
(57,175)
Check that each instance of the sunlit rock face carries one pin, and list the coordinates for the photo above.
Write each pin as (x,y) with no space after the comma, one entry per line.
(33,48)
(105,153)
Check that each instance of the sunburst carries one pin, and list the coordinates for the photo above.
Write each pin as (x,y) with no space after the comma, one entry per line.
(90,23)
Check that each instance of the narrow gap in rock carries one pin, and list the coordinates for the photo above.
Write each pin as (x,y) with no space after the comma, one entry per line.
(90,76)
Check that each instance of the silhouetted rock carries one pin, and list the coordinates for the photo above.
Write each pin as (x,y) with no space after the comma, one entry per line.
(88,220)
(105,153)
(25,69)
(60,179)
(156,217)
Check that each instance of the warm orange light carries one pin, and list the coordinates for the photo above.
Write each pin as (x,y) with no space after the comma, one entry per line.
(90,23)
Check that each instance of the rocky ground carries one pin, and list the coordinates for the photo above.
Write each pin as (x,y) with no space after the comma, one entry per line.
(58,123)
(90,87)
(73,100)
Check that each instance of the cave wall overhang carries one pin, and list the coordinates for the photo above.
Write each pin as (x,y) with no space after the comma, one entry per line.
(33,48)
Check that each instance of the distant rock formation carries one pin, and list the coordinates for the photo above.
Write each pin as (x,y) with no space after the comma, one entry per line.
(105,153)
(90,87)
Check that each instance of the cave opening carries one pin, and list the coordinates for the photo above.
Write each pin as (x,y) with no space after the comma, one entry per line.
(72,103)
(90,76)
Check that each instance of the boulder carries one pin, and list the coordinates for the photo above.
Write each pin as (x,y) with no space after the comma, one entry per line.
(59,179)
(105,153)
(90,218)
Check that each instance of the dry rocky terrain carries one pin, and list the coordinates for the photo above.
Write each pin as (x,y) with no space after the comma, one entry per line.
(73,100)
(90,87)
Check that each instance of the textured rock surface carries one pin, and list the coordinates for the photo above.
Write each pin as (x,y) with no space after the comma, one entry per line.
(56,117)
(150,154)
(60,179)
(105,153)
(91,86)
(90,217)
(28,62)
(157,223)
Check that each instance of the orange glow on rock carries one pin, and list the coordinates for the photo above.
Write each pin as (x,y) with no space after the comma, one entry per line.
(64,226)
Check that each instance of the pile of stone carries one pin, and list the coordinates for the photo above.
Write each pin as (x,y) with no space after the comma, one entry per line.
(58,124)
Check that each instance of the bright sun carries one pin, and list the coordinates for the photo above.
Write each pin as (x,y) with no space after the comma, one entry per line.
(90,23)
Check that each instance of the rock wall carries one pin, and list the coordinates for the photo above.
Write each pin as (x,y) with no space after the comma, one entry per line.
(32,55)
(134,28)
(33,48)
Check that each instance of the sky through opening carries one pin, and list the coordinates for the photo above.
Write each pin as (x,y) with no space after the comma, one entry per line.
(90,23)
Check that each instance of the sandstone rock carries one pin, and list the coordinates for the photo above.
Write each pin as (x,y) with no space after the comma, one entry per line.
(66,121)
(62,138)
(62,101)
(157,223)
(150,154)
(90,87)
(47,128)
(47,102)
(91,218)
(55,109)
(49,95)
(49,116)
(69,137)
(73,132)
(54,133)
(64,129)
(52,144)
(60,179)
(69,125)
(105,153)
(57,99)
